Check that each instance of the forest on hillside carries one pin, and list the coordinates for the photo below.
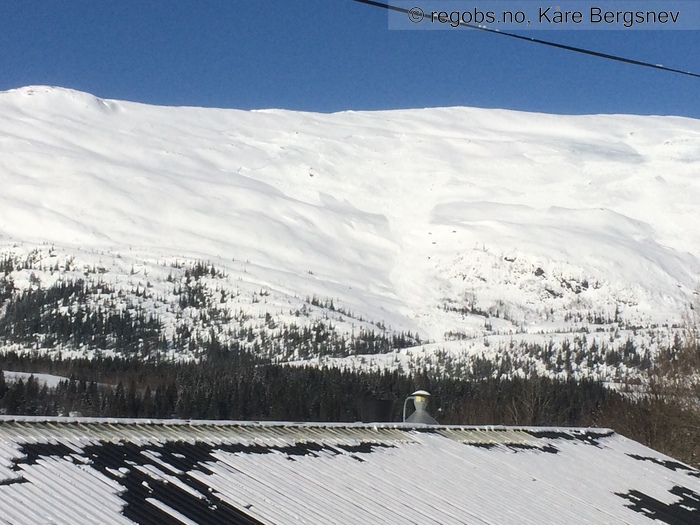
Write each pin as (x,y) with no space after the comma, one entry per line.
(242,373)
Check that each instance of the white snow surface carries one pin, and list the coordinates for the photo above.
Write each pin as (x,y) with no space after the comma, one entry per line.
(402,217)
(49,380)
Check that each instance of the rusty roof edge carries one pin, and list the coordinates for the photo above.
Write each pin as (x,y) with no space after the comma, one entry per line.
(288,424)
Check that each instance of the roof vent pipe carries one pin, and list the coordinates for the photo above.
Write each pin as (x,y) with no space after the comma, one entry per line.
(420,401)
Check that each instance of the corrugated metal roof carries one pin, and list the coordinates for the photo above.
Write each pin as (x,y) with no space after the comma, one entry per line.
(82,470)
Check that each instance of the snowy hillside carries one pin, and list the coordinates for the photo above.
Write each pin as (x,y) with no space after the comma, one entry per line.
(480,231)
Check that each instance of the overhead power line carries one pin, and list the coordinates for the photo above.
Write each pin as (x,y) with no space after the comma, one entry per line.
(565,47)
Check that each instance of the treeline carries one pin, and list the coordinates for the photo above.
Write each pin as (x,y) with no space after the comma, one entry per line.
(81,315)
(238,387)
(241,388)
(60,315)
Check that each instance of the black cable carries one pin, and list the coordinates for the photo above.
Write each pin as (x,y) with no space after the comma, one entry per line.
(581,50)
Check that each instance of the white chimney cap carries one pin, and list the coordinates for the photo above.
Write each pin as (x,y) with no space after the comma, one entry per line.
(422,393)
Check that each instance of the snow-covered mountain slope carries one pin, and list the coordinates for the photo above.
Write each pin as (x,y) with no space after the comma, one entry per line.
(457,224)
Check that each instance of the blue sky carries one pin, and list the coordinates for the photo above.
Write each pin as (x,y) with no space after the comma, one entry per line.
(329,55)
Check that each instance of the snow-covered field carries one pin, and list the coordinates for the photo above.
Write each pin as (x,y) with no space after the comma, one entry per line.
(474,228)
(49,380)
